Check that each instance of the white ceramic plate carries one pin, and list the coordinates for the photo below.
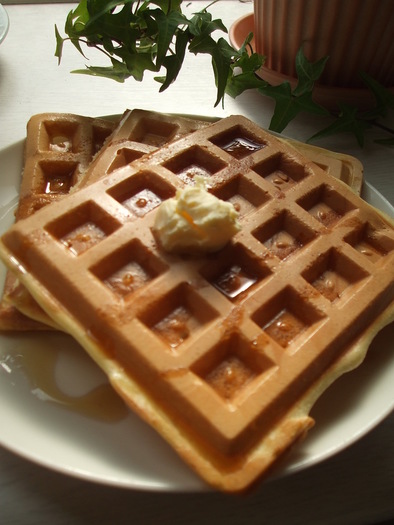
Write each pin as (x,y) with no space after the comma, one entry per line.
(4,23)
(48,393)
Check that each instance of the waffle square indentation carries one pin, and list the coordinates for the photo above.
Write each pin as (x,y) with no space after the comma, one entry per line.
(370,242)
(286,316)
(284,234)
(243,194)
(99,135)
(124,156)
(235,272)
(178,315)
(56,176)
(238,142)
(82,227)
(232,365)
(282,171)
(129,268)
(333,273)
(153,132)
(326,205)
(192,162)
(59,136)
(142,192)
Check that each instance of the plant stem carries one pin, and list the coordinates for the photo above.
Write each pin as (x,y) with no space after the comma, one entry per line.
(382,127)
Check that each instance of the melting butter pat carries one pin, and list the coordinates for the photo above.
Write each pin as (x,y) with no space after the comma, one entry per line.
(195,221)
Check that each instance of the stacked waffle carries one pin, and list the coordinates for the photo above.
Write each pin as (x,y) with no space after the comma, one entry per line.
(225,353)
(64,152)
(58,149)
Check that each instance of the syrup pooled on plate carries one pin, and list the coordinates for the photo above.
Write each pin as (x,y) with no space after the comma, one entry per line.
(38,362)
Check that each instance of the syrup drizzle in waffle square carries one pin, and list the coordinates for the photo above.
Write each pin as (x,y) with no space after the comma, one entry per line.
(58,149)
(57,142)
(217,352)
(64,152)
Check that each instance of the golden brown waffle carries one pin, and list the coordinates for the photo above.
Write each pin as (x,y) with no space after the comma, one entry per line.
(139,132)
(11,318)
(64,152)
(58,149)
(223,354)
(344,167)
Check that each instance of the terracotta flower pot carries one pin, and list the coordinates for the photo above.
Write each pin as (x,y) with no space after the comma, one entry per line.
(357,35)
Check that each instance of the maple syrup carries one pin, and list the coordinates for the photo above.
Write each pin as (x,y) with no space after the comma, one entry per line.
(284,328)
(38,362)
(176,327)
(234,281)
(83,238)
(229,377)
(59,184)
(127,279)
(142,202)
(240,147)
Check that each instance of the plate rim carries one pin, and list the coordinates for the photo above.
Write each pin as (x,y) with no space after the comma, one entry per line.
(4,23)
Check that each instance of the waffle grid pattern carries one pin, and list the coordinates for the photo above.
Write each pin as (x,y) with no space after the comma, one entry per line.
(231,339)
(58,148)
(139,132)
(64,152)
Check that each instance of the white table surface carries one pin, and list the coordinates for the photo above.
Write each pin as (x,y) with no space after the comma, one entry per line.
(354,487)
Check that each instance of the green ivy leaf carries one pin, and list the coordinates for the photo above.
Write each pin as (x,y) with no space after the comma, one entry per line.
(117,72)
(385,142)
(59,44)
(347,122)
(288,106)
(166,6)
(173,63)
(243,75)
(141,35)
(221,55)
(307,73)
(221,63)
(289,103)
(168,25)
(384,99)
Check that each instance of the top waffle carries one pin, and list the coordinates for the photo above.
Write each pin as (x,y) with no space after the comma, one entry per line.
(222,354)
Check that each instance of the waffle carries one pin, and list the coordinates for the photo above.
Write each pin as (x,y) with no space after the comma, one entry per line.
(139,132)
(344,167)
(58,149)
(63,153)
(223,354)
